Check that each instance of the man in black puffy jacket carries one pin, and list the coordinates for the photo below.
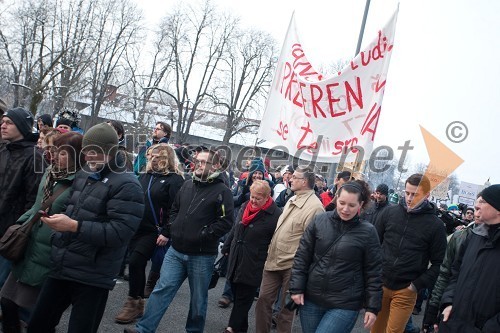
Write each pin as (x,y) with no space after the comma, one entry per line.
(104,210)
(201,214)
(411,236)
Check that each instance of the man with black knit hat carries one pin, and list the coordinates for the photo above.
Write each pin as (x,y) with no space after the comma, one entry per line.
(20,172)
(470,302)
(380,196)
(64,123)
(90,238)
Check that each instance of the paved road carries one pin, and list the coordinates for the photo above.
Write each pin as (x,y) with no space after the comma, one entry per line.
(175,318)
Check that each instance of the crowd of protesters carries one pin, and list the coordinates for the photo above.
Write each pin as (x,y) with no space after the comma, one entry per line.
(289,239)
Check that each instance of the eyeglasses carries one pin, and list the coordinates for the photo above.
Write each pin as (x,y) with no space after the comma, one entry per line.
(6,122)
(156,129)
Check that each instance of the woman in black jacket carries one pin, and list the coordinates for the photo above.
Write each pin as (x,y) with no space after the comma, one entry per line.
(247,246)
(337,269)
(160,183)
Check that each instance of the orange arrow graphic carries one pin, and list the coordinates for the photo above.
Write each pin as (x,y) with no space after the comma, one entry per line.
(442,162)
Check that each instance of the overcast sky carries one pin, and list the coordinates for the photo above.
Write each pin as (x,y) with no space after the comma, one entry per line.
(445,65)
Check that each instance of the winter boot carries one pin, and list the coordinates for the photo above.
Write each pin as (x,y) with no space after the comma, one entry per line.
(150,283)
(132,309)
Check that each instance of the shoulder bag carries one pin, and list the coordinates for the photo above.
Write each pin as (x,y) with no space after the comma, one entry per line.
(15,240)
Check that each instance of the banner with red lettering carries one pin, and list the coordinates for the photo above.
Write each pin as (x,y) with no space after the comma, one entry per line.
(319,118)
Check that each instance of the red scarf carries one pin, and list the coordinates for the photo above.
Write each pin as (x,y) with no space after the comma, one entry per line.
(251,211)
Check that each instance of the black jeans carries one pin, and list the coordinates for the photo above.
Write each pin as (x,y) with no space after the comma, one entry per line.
(137,274)
(10,312)
(56,296)
(243,296)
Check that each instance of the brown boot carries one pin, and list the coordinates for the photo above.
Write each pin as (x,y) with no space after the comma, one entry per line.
(132,309)
(141,306)
(150,283)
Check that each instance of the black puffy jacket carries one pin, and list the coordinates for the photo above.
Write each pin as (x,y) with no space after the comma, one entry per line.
(201,214)
(21,169)
(349,276)
(247,246)
(410,240)
(108,206)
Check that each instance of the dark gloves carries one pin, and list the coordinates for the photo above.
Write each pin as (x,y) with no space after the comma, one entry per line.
(431,317)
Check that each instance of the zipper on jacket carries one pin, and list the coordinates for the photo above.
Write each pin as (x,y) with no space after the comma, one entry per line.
(401,240)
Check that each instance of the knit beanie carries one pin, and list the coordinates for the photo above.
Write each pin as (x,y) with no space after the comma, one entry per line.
(285,169)
(491,195)
(23,120)
(65,121)
(383,189)
(257,165)
(101,136)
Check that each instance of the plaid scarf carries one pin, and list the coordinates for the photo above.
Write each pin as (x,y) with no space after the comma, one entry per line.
(55,174)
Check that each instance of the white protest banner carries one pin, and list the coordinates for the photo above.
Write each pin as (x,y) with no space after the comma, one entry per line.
(318,118)
(468,193)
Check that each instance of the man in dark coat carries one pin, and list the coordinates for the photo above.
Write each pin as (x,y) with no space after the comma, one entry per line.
(470,303)
(105,208)
(201,214)
(20,172)
(381,202)
(412,236)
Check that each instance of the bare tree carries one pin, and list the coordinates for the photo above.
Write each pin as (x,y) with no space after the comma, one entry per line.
(73,23)
(146,74)
(198,37)
(30,50)
(117,27)
(245,77)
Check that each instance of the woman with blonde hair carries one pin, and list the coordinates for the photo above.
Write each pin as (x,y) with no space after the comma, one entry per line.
(161,182)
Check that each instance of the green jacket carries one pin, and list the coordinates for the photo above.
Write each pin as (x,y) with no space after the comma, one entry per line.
(35,266)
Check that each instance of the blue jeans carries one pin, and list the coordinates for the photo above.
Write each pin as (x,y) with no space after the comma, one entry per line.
(317,319)
(176,267)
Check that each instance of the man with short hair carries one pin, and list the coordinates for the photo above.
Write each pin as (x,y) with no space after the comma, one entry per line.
(411,236)
(468,215)
(297,214)
(470,302)
(161,134)
(20,172)
(90,238)
(201,214)
(342,177)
